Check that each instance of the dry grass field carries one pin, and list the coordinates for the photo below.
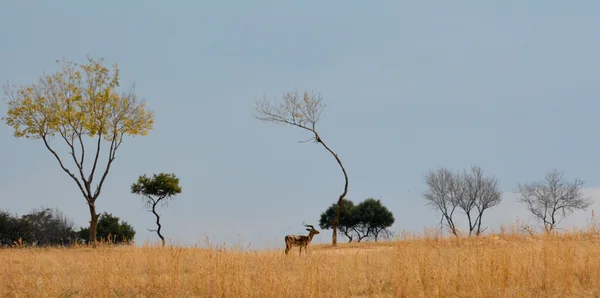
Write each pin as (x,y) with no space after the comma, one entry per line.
(506,264)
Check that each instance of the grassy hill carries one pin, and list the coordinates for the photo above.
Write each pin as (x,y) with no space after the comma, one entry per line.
(508,264)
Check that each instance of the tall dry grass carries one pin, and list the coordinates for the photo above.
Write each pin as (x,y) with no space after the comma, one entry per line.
(508,264)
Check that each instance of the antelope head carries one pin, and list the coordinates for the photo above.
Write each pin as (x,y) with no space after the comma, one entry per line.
(312,229)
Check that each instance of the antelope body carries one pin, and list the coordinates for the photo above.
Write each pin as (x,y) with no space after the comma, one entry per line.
(300,240)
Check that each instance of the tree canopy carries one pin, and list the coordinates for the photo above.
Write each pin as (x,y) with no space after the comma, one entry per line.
(369,219)
(76,104)
(158,189)
(470,191)
(40,227)
(50,227)
(13,230)
(374,217)
(553,198)
(346,222)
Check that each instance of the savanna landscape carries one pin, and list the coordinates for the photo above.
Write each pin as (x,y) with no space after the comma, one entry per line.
(384,166)
(508,264)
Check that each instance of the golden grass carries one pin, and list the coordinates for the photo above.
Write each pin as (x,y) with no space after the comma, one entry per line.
(502,265)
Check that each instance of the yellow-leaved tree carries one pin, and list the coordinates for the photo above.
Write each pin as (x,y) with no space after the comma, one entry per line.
(81,106)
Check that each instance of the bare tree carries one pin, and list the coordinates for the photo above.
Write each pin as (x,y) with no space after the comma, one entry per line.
(553,198)
(480,193)
(303,111)
(443,194)
(470,192)
(470,185)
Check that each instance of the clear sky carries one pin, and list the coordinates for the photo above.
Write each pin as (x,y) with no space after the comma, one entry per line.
(511,86)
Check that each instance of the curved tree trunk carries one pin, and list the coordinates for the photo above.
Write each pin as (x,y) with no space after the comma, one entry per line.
(336,220)
(303,112)
(158,223)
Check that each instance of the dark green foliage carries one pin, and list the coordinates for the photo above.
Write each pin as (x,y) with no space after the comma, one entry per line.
(158,189)
(41,227)
(12,228)
(50,227)
(374,217)
(367,219)
(109,228)
(346,222)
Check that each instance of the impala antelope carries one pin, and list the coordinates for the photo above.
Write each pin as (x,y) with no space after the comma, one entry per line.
(300,240)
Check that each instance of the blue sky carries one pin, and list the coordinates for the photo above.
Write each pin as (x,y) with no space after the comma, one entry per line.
(511,86)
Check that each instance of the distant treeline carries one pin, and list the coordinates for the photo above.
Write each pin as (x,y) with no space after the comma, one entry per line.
(51,227)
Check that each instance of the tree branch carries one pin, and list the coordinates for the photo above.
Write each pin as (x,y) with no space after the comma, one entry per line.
(98,147)
(108,163)
(65,169)
(79,164)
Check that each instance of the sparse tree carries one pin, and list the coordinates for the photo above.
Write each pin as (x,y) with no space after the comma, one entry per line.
(443,193)
(78,103)
(302,111)
(553,198)
(158,189)
(470,192)
(479,194)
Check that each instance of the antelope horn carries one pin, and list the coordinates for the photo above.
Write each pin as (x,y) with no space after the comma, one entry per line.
(310,226)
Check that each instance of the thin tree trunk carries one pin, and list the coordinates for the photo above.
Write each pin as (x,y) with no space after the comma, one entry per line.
(450,223)
(553,219)
(347,235)
(334,236)
(341,198)
(93,224)
(158,223)
(471,226)
(479,223)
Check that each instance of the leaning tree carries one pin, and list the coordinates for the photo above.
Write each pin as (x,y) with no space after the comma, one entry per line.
(76,104)
(158,189)
(302,111)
